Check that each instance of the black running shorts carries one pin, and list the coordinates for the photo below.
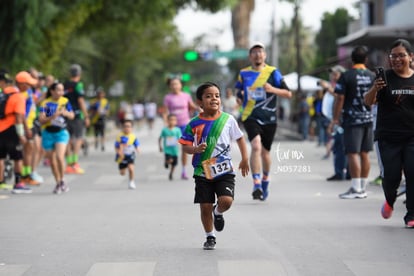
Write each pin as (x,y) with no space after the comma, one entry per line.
(10,144)
(266,132)
(206,190)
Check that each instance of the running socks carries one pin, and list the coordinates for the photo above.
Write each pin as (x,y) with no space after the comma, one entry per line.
(265,184)
(216,212)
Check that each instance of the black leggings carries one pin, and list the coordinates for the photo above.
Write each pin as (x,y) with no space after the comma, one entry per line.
(398,158)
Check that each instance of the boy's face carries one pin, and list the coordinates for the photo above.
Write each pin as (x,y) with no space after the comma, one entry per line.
(210,101)
(172,121)
(127,127)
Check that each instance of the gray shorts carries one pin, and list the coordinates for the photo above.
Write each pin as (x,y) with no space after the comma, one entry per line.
(76,128)
(358,138)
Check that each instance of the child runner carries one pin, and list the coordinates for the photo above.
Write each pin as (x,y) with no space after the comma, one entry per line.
(208,137)
(126,145)
(54,111)
(168,143)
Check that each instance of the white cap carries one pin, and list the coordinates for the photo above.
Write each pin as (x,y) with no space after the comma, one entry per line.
(337,68)
(255,45)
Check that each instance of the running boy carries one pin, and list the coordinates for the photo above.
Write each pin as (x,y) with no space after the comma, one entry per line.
(126,145)
(168,143)
(208,137)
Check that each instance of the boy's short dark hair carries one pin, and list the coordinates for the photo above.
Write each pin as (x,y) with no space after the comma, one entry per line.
(203,87)
(127,121)
(171,115)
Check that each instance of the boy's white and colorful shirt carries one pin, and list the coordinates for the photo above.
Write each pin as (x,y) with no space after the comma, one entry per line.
(218,133)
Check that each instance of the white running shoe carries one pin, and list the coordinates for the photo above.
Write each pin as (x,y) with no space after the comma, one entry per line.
(36,176)
(131,185)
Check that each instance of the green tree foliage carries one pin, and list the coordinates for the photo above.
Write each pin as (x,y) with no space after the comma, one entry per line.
(333,26)
(22,25)
(129,40)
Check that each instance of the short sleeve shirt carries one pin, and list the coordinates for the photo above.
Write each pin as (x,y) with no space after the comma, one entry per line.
(353,84)
(257,104)
(179,105)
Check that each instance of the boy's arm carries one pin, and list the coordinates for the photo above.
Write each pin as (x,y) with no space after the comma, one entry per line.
(120,153)
(159,143)
(244,163)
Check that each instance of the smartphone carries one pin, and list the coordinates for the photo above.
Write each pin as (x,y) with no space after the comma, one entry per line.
(381,74)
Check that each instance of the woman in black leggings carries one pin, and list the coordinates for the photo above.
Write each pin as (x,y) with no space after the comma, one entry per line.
(394,93)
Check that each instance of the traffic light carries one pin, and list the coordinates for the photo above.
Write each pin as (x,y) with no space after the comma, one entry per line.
(186,89)
(185,77)
(191,55)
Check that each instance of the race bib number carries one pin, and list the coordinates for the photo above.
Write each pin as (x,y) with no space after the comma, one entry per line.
(171,141)
(216,166)
(58,122)
(257,93)
(129,150)
(102,111)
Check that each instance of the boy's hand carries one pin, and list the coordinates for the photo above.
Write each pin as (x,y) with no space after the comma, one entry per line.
(200,148)
(120,158)
(244,167)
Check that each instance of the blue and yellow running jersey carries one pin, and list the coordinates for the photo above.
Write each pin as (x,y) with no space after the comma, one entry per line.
(130,142)
(49,107)
(99,108)
(30,108)
(257,104)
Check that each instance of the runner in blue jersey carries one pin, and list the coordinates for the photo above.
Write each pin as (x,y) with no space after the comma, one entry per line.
(259,86)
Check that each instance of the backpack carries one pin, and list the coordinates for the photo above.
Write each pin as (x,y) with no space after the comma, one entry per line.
(3,102)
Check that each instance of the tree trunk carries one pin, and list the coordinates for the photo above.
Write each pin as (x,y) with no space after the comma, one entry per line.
(240,23)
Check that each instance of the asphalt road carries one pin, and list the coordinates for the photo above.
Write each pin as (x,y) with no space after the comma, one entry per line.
(101,228)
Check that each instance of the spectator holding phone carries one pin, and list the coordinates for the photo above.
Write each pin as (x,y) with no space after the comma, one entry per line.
(394,95)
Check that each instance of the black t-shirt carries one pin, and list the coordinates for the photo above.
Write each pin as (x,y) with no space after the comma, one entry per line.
(395,117)
(74,91)
(353,84)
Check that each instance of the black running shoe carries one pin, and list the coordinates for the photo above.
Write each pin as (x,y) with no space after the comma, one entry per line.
(210,243)
(218,221)
(258,194)
(335,177)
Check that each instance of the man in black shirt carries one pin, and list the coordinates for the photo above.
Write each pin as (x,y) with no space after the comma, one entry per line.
(74,91)
(356,120)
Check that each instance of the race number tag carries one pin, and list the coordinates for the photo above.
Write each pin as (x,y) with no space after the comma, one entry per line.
(216,166)
(129,149)
(59,122)
(171,141)
(257,93)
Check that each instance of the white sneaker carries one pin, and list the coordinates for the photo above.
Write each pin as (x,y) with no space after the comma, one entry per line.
(352,194)
(131,185)
(37,177)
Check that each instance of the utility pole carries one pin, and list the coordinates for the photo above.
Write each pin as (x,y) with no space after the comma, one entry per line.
(298,46)
(274,43)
